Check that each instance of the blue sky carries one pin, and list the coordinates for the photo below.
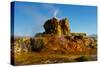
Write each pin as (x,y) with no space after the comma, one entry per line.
(29,17)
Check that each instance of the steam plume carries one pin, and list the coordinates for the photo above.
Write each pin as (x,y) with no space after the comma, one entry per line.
(55,13)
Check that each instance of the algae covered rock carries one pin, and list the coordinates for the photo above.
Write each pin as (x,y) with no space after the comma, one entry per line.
(37,44)
(55,26)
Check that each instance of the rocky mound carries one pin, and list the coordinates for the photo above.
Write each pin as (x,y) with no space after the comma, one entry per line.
(63,44)
(57,38)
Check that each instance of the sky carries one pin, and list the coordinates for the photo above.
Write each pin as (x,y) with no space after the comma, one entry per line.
(29,17)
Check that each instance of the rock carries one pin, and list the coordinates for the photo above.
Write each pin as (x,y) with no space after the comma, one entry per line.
(21,44)
(54,26)
(49,39)
(64,23)
(51,26)
(37,44)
